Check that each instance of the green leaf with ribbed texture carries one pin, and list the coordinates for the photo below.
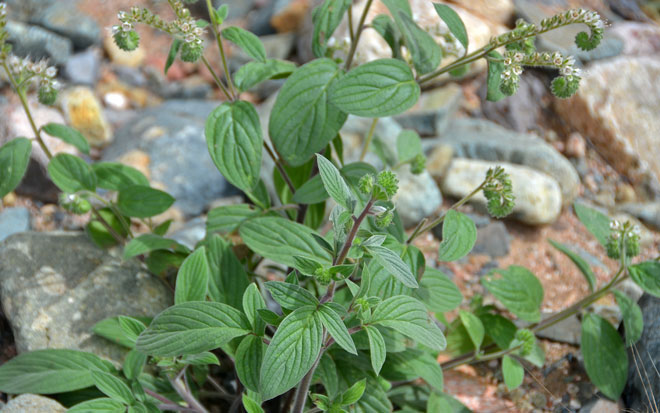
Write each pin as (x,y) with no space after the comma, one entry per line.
(14,158)
(193,278)
(385,26)
(354,393)
(408,316)
(605,357)
(131,328)
(513,372)
(394,265)
(336,328)
(234,139)
(247,41)
(292,352)
(249,355)
(114,176)
(312,192)
(42,371)
(227,218)
(150,242)
(473,326)
(113,330)
(647,275)
(68,135)
(250,405)
(101,405)
(380,88)
(326,18)
(411,364)
(201,359)
(192,328)
(499,328)
(578,261)
(290,296)
(458,236)
(334,183)
(595,221)
(71,174)
(438,292)
(142,201)
(408,145)
(377,349)
(171,55)
(112,387)
(253,301)
(133,364)
(425,52)
(303,120)
(518,290)
(227,276)
(631,313)
(453,22)
(494,79)
(280,240)
(253,73)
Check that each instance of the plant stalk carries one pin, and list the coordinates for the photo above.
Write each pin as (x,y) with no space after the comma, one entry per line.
(354,43)
(218,39)
(368,140)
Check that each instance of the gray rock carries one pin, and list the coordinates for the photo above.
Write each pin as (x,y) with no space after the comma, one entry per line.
(38,43)
(32,403)
(567,331)
(13,221)
(130,75)
(600,405)
(648,213)
(23,9)
(259,19)
(236,8)
(172,138)
(431,115)
(192,232)
(418,196)
(63,17)
(83,68)
(647,354)
(480,139)
(493,240)
(55,286)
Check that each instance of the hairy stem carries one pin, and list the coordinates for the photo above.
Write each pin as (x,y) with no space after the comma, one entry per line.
(216,78)
(367,141)
(280,167)
(303,387)
(360,28)
(351,235)
(113,233)
(185,393)
(221,48)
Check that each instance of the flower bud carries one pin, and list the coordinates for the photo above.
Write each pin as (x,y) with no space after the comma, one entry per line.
(47,95)
(75,204)
(127,40)
(191,52)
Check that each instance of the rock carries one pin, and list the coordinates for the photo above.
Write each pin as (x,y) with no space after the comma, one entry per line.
(63,17)
(439,159)
(648,213)
(639,39)
(236,8)
(500,11)
(155,142)
(418,196)
(288,15)
(32,403)
(83,68)
(192,232)
(646,354)
(538,197)
(38,43)
(121,57)
(600,405)
(22,10)
(567,331)
(618,103)
(480,139)
(430,116)
(72,285)
(13,221)
(576,147)
(85,114)
(278,46)
(259,20)
(631,289)
(493,240)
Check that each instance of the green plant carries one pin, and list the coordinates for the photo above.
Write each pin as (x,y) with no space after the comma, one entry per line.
(355,331)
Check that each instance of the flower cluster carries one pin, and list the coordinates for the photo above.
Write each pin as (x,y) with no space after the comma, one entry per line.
(183,28)
(498,192)
(74,203)
(583,40)
(623,238)
(527,341)
(563,86)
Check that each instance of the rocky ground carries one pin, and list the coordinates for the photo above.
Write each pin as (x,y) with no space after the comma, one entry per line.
(601,147)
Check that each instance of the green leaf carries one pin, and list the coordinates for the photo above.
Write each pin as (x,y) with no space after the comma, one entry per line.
(312,192)
(226,219)
(647,276)
(220,14)
(394,265)
(201,359)
(249,355)
(171,56)
(441,402)
(280,240)
(142,201)
(499,328)
(408,145)
(458,236)
(111,329)
(326,18)
(253,301)
(292,352)
(384,25)
(112,387)
(193,278)
(495,69)
(438,292)
(14,158)
(270,317)
(408,316)
(605,357)
(290,296)
(42,371)
(377,348)
(579,262)
(473,326)
(327,373)
(71,174)
(253,73)
(596,222)
(150,242)
(411,364)
(101,405)
(519,290)
(192,328)
(68,135)
(234,139)
(334,183)
(248,42)
(131,327)
(337,329)
(425,52)
(133,364)
(354,393)
(251,406)
(115,176)
(227,277)
(303,121)
(513,372)
(453,22)
(633,321)
(380,88)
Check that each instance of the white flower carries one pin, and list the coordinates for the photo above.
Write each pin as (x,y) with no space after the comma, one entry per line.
(121,15)
(599,24)
(506,75)
(518,57)
(566,70)
(51,72)
(517,69)
(615,225)
(507,61)
(126,26)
